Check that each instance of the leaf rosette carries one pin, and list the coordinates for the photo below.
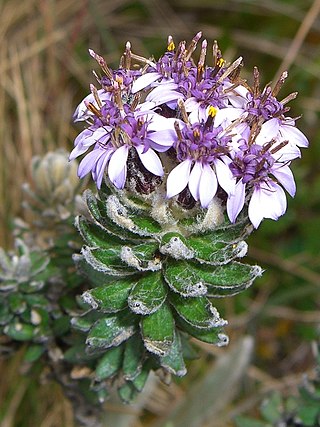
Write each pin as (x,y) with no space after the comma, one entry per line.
(153,286)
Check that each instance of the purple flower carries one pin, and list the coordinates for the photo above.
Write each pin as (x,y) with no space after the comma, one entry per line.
(82,112)
(289,138)
(112,144)
(202,150)
(257,172)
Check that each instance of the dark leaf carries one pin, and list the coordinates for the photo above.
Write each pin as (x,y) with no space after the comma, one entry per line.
(158,330)
(148,294)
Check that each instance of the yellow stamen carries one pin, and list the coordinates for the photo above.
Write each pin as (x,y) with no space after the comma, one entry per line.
(212,111)
(119,79)
(221,62)
(171,46)
(196,133)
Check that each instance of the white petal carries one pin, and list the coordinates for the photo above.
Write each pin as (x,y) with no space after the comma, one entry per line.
(164,87)
(82,112)
(198,114)
(225,177)
(100,168)
(287,153)
(208,186)
(235,201)
(159,122)
(268,131)
(117,166)
(102,134)
(81,144)
(255,210)
(89,161)
(143,107)
(227,115)
(162,97)
(178,178)
(194,180)
(292,134)
(190,104)
(163,139)
(285,176)
(150,160)
(267,201)
(238,96)
(145,80)
(277,204)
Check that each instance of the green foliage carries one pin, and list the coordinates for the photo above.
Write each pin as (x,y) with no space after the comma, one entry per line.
(26,313)
(153,279)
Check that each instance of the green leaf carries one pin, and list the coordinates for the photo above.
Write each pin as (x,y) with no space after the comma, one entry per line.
(198,311)
(78,354)
(309,414)
(175,245)
(33,353)
(111,297)
(158,330)
(109,364)
(185,277)
(146,226)
(5,315)
(39,316)
(116,218)
(182,279)
(138,211)
(32,286)
(148,294)
(20,331)
(17,303)
(111,331)
(270,408)
(100,213)
(210,336)
(7,285)
(143,257)
(141,378)
(209,249)
(188,349)
(133,358)
(35,300)
(107,261)
(127,392)
(95,235)
(173,360)
(61,325)
(39,263)
(96,277)
(84,323)
(231,279)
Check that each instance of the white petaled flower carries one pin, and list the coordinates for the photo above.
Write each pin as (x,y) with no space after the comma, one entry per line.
(111,145)
(204,165)
(258,172)
(289,138)
(82,112)
(219,132)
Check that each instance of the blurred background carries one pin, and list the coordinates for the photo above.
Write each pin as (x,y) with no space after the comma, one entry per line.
(45,70)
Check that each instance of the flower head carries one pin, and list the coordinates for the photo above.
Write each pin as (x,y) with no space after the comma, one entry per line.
(201,149)
(259,175)
(198,128)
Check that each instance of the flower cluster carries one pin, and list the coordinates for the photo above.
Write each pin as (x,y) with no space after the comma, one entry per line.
(201,129)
